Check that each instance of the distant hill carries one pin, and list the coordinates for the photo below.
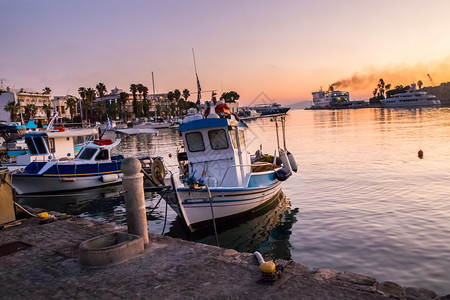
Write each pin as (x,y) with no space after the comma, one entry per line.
(300,105)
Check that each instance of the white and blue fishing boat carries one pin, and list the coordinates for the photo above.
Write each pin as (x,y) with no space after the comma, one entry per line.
(92,167)
(218,179)
(43,146)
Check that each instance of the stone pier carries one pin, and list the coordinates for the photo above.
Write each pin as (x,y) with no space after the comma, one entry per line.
(168,269)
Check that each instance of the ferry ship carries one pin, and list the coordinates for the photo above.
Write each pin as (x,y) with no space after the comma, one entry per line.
(330,99)
(411,98)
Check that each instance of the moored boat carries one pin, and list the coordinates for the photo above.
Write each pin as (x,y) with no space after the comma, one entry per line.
(330,99)
(411,98)
(94,166)
(270,109)
(218,179)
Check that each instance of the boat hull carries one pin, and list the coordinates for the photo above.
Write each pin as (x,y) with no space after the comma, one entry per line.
(418,104)
(35,184)
(194,205)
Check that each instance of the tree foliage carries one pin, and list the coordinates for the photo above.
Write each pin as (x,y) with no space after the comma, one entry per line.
(230,97)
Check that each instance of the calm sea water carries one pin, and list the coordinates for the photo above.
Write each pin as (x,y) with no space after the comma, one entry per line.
(361,202)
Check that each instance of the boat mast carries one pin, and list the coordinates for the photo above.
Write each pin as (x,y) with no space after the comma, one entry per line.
(199,89)
(153,84)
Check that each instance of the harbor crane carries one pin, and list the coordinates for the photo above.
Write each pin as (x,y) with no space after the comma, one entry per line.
(431,80)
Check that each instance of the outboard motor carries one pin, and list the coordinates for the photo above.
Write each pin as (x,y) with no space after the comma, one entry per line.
(286,171)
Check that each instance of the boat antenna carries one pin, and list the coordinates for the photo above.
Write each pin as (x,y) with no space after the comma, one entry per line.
(283,128)
(199,89)
(153,85)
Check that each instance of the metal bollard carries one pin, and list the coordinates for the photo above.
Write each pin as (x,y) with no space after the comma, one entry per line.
(133,185)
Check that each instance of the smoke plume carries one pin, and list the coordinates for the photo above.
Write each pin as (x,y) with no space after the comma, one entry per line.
(398,75)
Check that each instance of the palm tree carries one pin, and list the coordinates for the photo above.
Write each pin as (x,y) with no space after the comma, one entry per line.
(47,108)
(47,90)
(100,109)
(375,92)
(170,97)
(381,86)
(145,102)
(186,94)
(71,104)
(101,90)
(158,109)
(420,83)
(177,96)
(140,88)
(388,86)
(30,111)
(90,97)
(123,97)
(82,93)
(114,108)
(13,108)
(134,90)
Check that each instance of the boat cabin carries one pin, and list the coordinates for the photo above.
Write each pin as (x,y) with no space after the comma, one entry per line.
(216,150)
(48,145)
(98,151)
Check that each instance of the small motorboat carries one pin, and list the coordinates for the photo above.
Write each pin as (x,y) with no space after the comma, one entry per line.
(92,167)
(217,179)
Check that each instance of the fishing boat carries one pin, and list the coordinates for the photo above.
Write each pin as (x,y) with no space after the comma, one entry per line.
(92,167)
(43,146)
(217,178)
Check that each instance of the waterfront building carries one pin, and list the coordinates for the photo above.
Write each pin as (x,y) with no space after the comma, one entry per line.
(59,103)
(5,97)
(24,98)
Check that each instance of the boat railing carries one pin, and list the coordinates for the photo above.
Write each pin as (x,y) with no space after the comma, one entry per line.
(244,165)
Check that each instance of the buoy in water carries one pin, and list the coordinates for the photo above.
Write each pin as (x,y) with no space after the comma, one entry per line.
(420,153)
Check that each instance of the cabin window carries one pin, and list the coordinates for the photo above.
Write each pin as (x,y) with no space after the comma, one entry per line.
(40,145)
(87,153)
(241,138)
(233,138)
(218,139)
(102,155)
(31,146)
(195,141)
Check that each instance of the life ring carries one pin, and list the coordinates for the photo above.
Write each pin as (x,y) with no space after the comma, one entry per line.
(223,109)
(158,172)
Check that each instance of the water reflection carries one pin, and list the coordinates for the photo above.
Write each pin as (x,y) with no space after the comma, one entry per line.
(268,231)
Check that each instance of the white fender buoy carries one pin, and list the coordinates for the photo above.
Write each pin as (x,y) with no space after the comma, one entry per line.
(285,160)
(292,161)
(109,178)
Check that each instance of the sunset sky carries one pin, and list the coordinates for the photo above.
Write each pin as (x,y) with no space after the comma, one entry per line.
(284,49)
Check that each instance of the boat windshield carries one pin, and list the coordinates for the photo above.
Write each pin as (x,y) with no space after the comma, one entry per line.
(31,146)
(195,141)
(218,139)
(102,155)
(87,153)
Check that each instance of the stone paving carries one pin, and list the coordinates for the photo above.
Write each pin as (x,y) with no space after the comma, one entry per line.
(168,269)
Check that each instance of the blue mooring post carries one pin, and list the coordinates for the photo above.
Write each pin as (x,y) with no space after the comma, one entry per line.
(133,185)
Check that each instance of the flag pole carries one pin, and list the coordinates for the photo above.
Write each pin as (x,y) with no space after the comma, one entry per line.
(199,89)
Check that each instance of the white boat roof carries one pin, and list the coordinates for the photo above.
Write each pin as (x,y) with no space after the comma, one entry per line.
(65,133)
(72,132)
